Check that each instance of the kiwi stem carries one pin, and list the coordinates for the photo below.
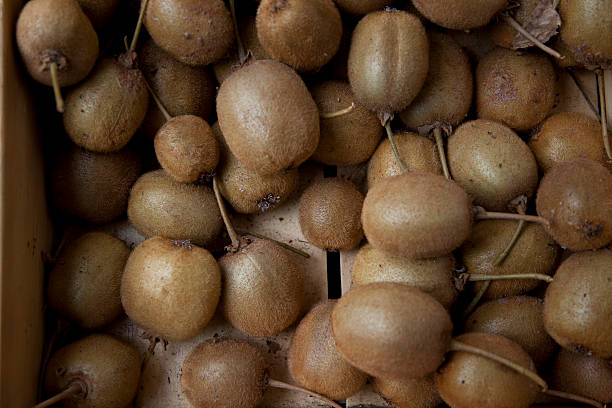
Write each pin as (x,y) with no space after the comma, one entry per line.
(228,225)
(138,26)
(285,386)
(514,24)
(440,144)
(468,310)
(574,397)
(477,277)
(158,102)
(570,72)
(59,101)
(394,146)
(603,110)
(500,259)
(281,244)
(482,214)
(75,388)
(241,52)
(337,113)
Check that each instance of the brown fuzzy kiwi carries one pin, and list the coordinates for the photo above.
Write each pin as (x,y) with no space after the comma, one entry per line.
(391,330)
(304,34)
(417,215)
(92,186)
(330,214)
(492,163)
(107,369)
(388,60)
(518,318)
(577,305)
(411,393)
(349,138)
(566,136)
(84,283)
(263,288)
(314,361)
(362,6)
(417,153)
(576,199)
(462,15)
(433,276)
(195,32)
(161,206)
(99,11)
(470,380)
(268,117)
(171,289)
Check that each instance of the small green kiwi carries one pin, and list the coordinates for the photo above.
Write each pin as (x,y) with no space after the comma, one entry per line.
(391,330)
(362,6)
(411,393)
(161,206)
(98,11)
(433,276)
(171,289)
(462,15)
(314,361)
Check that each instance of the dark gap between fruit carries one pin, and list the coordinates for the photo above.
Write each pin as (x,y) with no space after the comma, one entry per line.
(334,286)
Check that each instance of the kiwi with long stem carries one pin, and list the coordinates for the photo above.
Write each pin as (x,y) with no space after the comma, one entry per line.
(603,110)
(520,203)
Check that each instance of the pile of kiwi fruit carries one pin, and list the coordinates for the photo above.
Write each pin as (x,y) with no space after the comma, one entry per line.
(480,219)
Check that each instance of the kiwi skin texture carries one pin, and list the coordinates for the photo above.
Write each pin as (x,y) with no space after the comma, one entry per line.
(107,367)
(463,15)
(415,327)
(314,361)
(433,276)
(99,12)
(412,393)
(517,90)
(330,214)
(503,33)
(577,304)
(576,198)
(362,6)
(68,38)
(84,283)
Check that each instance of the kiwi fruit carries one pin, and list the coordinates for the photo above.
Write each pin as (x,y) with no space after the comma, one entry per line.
(463,15)
(391,330)
(84,283)
(93,186)
(268,117)
(418,154)
(566,136)
(411,393)
(330,214)
(577,304)
(170,289)
(195,32)
(517,90)
(98,11)
(361,7)
(349,138)
(576,199)
(106,369)
(314,361)
(433,276)
(304,34)
(161,206)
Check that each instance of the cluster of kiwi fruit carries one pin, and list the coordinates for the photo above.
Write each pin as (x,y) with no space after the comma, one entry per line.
(471,151)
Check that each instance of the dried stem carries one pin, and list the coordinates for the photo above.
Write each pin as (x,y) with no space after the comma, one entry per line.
(440,144)
(285,386)
(138,26)
(603,110)
(337,113)
(281,244)
(59,101)
(150,351)
(74,389)
(228,225)
(514,24)
(500,259)
(477,277)
(394,146)
(482,214)
(574,397)
(158,101)
(242,55)
(468,310)
(570,72)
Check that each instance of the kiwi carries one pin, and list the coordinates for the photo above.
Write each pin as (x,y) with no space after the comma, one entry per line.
(517,90)
(195,32)
(463,15)
(304,34)
(411,393)
(314,361)
(577,304)
(161,206)
(391,330)
(362,6)
(576,198)
(99,11)
(268,118)
(84,283)
(170,289)
(92,186)
(433,276)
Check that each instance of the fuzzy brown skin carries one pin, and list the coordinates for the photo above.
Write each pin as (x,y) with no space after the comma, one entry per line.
(492,163)
(388,60)
(56,31)
(161,206)
(304,34)
(92,186)
(567,136)
(518,318)
(467,380)
(517,90)
(109,369)
(170,289)
(98,11)
(268,117)
(330,214)
(462,15)
(195,32)
(577,305)
(263,288)
(446,96)
(534,252)
(576,198)
(347,139)
(503,33)
(84,283)
(103,113)
(314,361)
(391,330)
(362,6)
(417,152)
(417,215)
(433,276)
(413,393)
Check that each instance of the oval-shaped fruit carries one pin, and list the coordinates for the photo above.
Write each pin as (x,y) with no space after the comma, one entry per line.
(411,393)
(462,15)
